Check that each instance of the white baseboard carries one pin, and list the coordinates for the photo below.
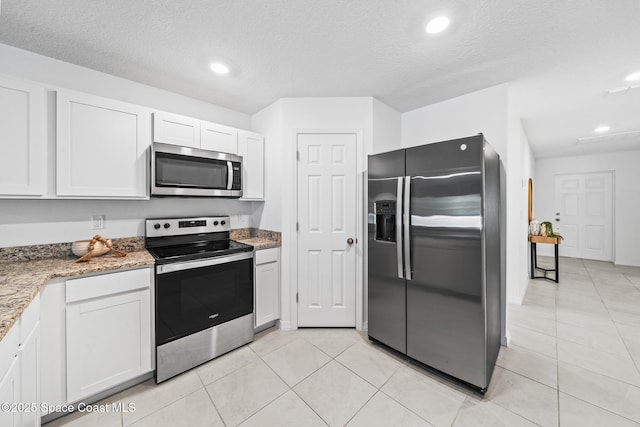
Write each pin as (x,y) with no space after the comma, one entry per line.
(516,299)
(365,325)
(285,325)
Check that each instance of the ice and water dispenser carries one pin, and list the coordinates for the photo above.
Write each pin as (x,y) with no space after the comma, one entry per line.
(385,220)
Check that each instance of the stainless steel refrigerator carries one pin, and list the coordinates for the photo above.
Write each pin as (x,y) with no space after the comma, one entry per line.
(434,255)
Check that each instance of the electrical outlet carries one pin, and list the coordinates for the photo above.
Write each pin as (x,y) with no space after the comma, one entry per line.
(97,222)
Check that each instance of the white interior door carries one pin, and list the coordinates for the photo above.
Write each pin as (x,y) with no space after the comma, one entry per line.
(326,220)
(584,215)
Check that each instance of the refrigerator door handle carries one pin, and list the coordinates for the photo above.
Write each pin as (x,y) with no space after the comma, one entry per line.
(407,229)
(399,229)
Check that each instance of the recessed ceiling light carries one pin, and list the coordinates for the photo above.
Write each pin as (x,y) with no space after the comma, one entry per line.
(602,129)
(437,25)
(633,77)
(220,68)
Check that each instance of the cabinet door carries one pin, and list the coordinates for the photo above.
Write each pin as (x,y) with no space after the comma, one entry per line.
(10,393)
(174,129)
(101,147)
(267,293)
(53,368)
(108,342)
(217,137)
(251,148)
(30,377)
(22,143)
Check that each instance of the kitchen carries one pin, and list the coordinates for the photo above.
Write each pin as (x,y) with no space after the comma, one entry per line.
(25,222)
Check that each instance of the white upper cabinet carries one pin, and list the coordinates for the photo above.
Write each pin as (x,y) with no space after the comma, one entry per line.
(101,147)
(174,129)
(217,137)
(251,148)
(22,141)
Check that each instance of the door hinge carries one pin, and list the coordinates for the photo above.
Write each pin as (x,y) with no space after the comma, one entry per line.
(297,226)
(296,297)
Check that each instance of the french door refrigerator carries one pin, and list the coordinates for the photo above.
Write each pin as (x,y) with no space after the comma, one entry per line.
(434,255)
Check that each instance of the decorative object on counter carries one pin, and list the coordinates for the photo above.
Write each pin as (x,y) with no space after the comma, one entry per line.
(97,246)
(546,229)
(534,227)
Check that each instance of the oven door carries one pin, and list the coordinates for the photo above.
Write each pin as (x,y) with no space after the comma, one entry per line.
(195,295)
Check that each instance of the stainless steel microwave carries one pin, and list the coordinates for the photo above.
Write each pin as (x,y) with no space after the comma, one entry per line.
(184,171)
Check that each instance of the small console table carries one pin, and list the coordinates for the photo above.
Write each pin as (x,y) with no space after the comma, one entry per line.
(534,257)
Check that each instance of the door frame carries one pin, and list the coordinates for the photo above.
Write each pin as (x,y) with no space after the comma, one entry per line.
(359,247)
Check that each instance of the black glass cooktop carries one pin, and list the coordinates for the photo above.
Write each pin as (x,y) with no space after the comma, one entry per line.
(198,250)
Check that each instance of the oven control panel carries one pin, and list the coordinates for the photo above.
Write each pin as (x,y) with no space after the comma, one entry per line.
(160,227)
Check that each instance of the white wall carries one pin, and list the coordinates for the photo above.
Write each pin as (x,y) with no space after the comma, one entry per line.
(31,222)
(484,111)
(278,123)
(268,122)
(386,132)
(626,167)
(309,114)
(25,222)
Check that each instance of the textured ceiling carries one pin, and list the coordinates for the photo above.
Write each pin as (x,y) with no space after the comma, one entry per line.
(560,56)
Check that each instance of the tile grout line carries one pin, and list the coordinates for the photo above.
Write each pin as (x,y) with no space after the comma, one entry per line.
(615,324)
(558,350)
(599,407)
(204,386)
(589,370)
(291,388)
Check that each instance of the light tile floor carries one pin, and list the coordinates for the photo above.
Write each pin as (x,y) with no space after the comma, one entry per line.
(574,360)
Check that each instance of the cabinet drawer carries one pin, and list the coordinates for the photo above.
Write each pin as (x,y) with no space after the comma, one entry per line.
(264,256)
(107,284)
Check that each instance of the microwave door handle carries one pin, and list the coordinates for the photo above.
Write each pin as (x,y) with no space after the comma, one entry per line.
(229,175)
(399,229)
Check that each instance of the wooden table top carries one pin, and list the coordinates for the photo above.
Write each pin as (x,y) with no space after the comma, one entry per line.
(544,239)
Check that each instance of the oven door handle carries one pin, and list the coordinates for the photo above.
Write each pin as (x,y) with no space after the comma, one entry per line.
(188,265)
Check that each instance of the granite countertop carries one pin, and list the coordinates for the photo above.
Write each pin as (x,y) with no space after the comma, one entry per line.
(259,239)
(259,243)
(25,270)
(22,280)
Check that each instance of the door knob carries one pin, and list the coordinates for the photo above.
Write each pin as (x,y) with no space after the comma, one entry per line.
(350,241)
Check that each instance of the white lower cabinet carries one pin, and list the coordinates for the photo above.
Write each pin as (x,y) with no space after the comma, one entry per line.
(108,331)
(267,286)
(10,382)
(20,384)
(29,355)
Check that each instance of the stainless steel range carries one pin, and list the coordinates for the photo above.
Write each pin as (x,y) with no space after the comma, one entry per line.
(203,291)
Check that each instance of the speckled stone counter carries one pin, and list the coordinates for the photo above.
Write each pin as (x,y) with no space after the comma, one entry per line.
(259,239)
(21,278)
